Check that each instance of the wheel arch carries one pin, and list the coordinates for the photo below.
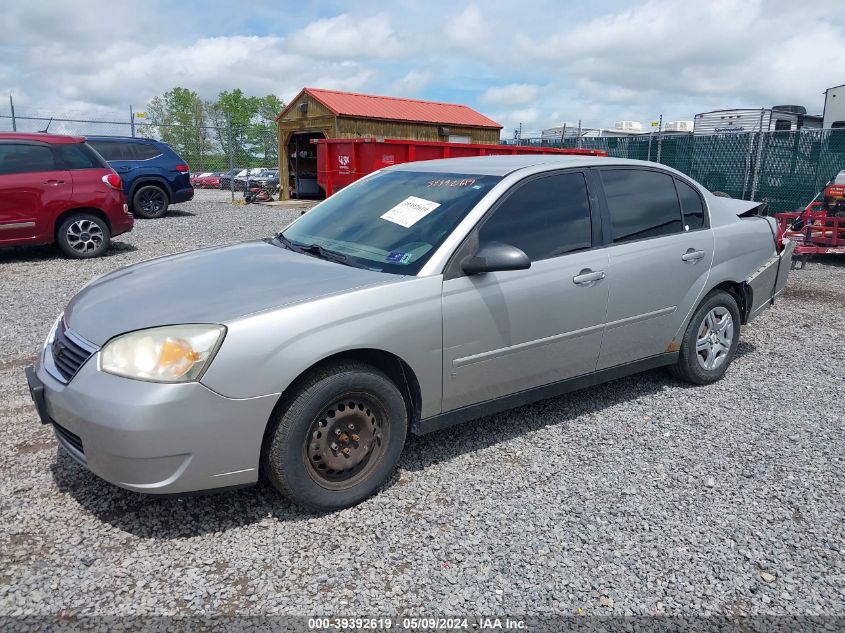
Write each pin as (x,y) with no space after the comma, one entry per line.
(64,215)
(396,369)
(742,292)
(158,181)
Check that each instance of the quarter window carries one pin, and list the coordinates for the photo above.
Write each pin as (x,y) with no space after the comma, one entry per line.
(545,217)
(144,151)
(691,205)
(77,156)
(20,158)
(642,204)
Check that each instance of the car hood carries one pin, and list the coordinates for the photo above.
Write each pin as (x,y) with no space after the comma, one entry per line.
(212,285)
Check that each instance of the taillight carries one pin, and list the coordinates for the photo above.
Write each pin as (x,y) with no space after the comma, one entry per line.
(183,168)
(113,181)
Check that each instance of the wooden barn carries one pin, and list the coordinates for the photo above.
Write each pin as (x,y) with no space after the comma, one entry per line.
(315,113)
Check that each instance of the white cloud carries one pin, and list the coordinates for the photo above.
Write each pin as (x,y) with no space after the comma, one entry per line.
(347,37)
(511,94)
(412,84)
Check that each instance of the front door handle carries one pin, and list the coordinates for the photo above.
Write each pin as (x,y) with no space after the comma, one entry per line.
(54,182)
(692,255)
(588,277)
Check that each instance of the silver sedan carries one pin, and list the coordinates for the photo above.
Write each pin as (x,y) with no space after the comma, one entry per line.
(420,297)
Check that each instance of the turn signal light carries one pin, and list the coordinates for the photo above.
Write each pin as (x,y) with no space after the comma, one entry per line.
(183,168)
(113,181)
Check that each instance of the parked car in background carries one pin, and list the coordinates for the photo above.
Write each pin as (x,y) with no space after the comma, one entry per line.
(57,189)
(227,176)
(206,180)
(154,176)
(419,297)
(265,178)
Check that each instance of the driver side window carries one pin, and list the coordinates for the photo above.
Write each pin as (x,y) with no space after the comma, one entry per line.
(545,217)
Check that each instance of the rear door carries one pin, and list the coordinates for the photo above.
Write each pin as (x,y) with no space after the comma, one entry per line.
(33,191)
(504,332)
(659,261)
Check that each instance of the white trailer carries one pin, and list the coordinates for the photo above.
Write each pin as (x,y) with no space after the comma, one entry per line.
(834,107)
(741,120)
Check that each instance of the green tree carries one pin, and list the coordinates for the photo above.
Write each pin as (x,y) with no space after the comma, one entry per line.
(179,119)
(253,126)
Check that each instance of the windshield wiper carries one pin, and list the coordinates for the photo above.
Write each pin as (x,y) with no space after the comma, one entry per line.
(322,253)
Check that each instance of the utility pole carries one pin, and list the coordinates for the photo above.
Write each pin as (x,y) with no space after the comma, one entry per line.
(659,137)
(131,120)
(579,133)
(14,122)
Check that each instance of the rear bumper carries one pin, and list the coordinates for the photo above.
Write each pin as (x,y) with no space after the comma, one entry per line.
(152,437)
(122,222)
(769,281)
(182,195)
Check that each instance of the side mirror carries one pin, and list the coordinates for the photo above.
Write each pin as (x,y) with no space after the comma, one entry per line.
(495,256)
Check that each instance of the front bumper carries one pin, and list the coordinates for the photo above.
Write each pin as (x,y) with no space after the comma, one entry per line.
(153,437)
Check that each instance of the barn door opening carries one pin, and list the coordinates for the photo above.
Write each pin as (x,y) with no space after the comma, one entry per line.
(302,166)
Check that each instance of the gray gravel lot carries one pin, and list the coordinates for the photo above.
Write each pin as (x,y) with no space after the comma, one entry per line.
(643,496)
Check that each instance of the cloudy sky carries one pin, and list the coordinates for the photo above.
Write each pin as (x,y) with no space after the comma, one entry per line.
(539,63)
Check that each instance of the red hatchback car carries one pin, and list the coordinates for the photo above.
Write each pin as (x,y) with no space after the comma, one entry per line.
(58,189)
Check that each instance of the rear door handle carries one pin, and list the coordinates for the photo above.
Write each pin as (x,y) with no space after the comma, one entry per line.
(692,255)
(587,277)
(54,182)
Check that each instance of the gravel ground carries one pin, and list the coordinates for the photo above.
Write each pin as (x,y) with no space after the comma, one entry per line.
(644,496)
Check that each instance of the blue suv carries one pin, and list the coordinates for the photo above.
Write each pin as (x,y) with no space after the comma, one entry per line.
(154,176)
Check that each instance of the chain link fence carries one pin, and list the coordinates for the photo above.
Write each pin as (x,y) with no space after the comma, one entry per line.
(784,168)
(205,148)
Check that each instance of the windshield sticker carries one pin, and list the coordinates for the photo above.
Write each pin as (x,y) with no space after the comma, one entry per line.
(396,256)
(410,211)
(451,182)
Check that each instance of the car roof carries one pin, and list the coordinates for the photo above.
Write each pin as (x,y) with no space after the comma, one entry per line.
(504,165)
(122,139)
(40,137)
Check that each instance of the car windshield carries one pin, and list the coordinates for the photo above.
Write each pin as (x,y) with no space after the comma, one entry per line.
(393,221)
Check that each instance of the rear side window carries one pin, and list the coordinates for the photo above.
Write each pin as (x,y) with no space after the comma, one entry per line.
(545,217)
(78,156)
(20,158)
(642,204)
(144,151)
(113,150)
(691,205)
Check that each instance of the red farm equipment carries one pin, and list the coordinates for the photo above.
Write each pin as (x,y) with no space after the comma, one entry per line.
(342,161)
(818,229)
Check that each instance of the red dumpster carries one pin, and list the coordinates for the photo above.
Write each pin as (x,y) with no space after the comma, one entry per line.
(341,161)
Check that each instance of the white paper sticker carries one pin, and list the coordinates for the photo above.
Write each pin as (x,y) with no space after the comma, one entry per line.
(410,211)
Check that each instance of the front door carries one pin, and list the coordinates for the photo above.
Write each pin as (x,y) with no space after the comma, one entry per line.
(505,332)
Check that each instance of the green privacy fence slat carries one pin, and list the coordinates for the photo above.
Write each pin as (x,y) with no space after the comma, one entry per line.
(786,169)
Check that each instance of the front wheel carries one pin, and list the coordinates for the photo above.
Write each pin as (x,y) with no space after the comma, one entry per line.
(338,439)
(710,342)
(150,202)
(82,236)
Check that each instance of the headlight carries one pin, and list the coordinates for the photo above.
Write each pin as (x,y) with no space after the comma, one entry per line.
(174,353)
(51,336)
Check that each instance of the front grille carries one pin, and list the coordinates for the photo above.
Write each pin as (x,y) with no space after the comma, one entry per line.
(68,356)
(71,438)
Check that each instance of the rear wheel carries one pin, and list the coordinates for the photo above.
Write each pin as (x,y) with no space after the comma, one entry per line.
(150,202)
(710,342)
(338,439)
(82,236)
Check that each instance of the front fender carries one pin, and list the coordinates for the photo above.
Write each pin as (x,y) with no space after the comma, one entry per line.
(264,353)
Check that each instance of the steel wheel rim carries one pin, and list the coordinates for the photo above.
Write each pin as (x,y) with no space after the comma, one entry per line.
(152,201)
(714,339)
(84,236)
(346,440)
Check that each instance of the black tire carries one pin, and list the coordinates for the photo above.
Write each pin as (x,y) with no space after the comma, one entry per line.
(82,236)
(298,457)
(692,362)
(150,202)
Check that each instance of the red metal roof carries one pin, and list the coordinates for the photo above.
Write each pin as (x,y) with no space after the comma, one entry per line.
(395,108)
